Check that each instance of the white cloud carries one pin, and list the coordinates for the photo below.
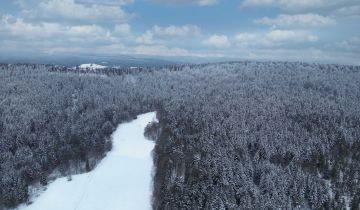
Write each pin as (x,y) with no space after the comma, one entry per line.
(122,29)
(106,2)
(289,35)
(301,5)
(146,38)
(288,4)
(348,11)
(254,3)
(246,39)
(102,27)
(58,10)
(218,41)
(299,20)
(352,44)
(198,2)
(160,50)
(274,38)
(207,2)
(18,27)
(172,30)
(85,30)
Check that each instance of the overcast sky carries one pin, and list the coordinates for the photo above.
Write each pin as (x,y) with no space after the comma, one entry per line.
(305,30)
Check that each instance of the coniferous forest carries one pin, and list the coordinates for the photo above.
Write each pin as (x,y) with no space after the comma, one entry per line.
(234,135)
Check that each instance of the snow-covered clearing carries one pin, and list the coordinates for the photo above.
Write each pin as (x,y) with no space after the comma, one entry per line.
(122,180)
(91,66)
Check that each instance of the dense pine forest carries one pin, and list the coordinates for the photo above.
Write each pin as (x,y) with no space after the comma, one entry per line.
(237,135)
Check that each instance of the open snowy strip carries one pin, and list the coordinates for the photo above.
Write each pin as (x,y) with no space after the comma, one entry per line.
(91,66)
(122,180)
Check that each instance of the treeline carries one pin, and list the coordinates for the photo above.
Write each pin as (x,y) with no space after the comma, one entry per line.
(260,136)
(116,71)
(239,135)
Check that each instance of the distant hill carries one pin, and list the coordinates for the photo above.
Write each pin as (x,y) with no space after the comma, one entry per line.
(76,60)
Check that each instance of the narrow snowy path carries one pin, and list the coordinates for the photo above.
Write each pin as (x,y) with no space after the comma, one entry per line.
(122,180)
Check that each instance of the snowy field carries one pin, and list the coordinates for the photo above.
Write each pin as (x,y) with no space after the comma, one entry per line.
(91,66)
(122,180)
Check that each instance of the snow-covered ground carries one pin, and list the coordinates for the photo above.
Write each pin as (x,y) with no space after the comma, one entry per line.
(122,180)
(91,66)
